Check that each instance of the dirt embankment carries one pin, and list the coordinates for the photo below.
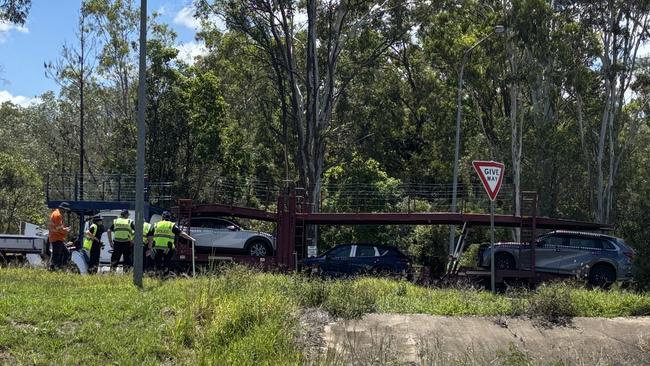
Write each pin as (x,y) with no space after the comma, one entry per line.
(437,340)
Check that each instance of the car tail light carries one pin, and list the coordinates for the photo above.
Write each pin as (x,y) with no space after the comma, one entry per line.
(630,255)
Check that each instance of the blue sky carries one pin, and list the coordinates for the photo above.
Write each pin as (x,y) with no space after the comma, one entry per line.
(50,24)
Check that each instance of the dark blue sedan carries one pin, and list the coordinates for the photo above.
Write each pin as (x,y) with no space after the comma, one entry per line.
(355,259)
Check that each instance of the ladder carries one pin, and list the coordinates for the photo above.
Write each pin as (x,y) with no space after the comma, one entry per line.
(528,228)
(185,214)
(300,250)
(528,210)
(454,260)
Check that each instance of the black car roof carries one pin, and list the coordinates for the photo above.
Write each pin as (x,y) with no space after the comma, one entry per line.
(370,244)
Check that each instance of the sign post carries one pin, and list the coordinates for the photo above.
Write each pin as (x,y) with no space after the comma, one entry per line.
(491,175)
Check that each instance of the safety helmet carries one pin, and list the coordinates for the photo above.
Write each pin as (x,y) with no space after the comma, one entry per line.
(124,213)
(64,206)
(97,218)
(166,215)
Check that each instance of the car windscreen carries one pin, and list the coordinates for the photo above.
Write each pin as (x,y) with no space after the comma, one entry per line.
(390,252)
(621,243)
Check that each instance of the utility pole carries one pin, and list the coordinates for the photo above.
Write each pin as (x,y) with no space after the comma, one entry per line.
(82,62)
(139,175)
(498,29)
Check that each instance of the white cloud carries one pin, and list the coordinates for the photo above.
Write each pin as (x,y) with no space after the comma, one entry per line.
(187,52)
(300,19)
(6,28)
(186,18)
(6,96)
(644,50)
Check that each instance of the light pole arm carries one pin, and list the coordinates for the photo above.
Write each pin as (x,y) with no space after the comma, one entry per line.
(459,109)
(459,100)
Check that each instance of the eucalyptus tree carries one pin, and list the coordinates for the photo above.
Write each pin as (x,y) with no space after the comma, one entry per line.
(72,72)
(622,27)
(14,11)
(304,45)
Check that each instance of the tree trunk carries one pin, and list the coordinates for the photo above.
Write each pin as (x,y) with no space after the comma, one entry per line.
(583,144)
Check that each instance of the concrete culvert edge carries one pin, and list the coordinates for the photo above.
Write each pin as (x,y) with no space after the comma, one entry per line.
(424,339)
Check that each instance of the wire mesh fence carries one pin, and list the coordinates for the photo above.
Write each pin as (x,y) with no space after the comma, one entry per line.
(411,197)
(253,193)
(105,187)
(362,197)
(241,192)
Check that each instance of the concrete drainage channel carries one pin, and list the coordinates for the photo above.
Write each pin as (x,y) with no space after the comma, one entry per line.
(392,339)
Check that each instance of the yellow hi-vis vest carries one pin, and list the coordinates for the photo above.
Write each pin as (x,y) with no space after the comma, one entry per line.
(145,230)
(163,234)
(123,231)
(88,243)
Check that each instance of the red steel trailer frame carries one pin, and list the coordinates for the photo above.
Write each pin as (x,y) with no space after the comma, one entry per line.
(291,218)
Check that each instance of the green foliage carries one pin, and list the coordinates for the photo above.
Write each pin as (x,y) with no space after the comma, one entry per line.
(21,194)
(379,193)
(367,173)
(469,258)
(14,11)
(429,246)
(350,300)
(552,304)
(514,357)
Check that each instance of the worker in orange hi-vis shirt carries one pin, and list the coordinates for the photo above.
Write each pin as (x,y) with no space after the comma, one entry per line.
(58,234)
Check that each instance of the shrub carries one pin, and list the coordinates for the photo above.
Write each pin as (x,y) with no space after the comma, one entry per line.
(311,292)
(514,357)
(552,304)
(469,258)
(349,300)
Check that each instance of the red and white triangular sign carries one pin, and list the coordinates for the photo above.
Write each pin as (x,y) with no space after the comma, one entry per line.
(491,174)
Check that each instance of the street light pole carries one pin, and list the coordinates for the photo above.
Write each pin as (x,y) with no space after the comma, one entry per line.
(452,230)
(139,176)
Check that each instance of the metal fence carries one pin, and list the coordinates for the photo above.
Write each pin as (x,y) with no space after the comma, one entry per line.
(344,197)
(241,192)
(411,197)
(105,187)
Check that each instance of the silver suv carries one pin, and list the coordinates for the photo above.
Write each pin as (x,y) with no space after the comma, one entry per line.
(601,259)
(217,234)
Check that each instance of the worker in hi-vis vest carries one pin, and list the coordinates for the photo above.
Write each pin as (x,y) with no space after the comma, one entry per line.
(93,243)
(122,241)
(146,262)
(162,238)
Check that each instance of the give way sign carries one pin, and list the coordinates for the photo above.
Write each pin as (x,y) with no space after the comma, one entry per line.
(491,174)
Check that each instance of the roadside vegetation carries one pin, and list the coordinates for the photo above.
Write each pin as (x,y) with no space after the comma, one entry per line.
(237,317)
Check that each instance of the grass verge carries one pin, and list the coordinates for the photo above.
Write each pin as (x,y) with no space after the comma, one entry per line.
(238,317)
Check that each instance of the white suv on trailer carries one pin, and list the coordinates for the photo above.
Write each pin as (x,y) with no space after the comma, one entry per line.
(215,234)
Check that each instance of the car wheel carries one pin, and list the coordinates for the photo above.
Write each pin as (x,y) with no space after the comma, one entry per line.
(504,261)
(258,248)
(602,275)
